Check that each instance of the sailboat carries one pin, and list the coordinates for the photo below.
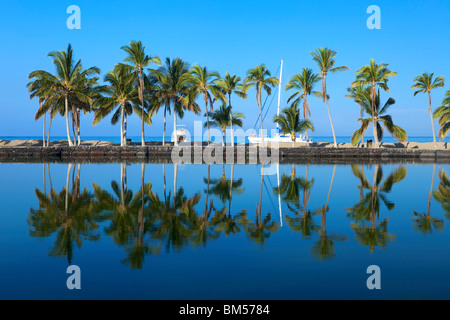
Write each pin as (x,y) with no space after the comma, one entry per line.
(279,137)
(180,134)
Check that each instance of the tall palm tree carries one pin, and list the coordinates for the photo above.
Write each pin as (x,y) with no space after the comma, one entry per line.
(68,83)
(357,94)
(204,82)
(221,118)
(138,61)
(229,85)
(39,87)
(379,117)
(375,75)
(290,122)
(173,91)
(260,78)
(425,83)
(443,113)
(303,84)
(324,58)
(121,92)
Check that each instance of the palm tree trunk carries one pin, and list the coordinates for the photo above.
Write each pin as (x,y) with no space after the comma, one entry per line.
(69,140)
(362,115)
(207,118)
(164,177)
(223,138)
(122,143)
(231,120)
(141,96)
(260,110)
(43,131)
(332,126)
(125,128)
(175,126)
(231,188)
(164,132)
(48,134)
(78,123)
(431,116)
(375,135)
(260,190)
(305,103)
(66,204)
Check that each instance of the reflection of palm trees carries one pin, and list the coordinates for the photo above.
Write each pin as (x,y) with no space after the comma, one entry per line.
(69,214)
(442,194)
(368,208)
(261,229)
(128,216)
(324,247)
(423,222)
(175,219)
(302,220)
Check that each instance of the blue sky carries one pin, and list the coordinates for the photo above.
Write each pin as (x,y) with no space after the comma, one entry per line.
(231,36)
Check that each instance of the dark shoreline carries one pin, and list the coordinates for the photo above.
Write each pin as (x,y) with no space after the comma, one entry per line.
(162,154)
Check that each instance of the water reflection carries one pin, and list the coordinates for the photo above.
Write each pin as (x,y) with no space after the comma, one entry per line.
(367,210)
(156,219)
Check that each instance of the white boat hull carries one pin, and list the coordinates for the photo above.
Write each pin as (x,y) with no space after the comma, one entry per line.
(277,139)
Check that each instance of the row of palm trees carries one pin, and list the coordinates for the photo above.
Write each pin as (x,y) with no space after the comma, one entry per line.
(134,86)
(140,222)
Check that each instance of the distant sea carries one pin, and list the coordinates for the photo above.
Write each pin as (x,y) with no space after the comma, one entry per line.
(116,139)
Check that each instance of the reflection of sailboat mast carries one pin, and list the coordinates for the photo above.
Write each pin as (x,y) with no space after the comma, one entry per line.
(279,195)
(278,165)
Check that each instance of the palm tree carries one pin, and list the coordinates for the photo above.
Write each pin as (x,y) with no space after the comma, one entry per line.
(443,113)
(229,85)
(204,83)
(221,118)
(290,122)
(173,91)
(138,61)
(259,77)
(379,117)
(324,58)
(357,93)
(303,83)
(40,87)
(121,93)
(69,83)
(374,75)
(425,83)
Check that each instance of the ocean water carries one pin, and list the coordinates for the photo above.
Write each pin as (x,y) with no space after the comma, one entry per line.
(116,139)
(155,231)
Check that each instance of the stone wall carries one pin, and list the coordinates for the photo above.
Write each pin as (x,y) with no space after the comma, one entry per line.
(163,154)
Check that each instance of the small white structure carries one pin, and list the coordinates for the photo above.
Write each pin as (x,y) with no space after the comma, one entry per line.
(181,134)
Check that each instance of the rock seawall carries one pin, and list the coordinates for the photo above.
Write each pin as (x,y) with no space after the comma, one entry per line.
(102,154)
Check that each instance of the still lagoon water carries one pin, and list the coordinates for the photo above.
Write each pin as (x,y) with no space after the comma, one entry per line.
(165,231)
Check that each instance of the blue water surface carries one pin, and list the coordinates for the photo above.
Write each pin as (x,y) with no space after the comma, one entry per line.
(133,239)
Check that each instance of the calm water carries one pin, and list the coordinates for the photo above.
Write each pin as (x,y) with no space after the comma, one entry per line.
(178,232)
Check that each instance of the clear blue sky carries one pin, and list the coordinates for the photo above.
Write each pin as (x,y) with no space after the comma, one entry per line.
(230,36)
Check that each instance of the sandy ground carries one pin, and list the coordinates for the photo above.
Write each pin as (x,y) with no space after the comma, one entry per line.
(409,145)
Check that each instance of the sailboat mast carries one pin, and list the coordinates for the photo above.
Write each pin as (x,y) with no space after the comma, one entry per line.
(279,90)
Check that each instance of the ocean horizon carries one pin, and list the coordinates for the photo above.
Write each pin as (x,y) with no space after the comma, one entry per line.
(116,139)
